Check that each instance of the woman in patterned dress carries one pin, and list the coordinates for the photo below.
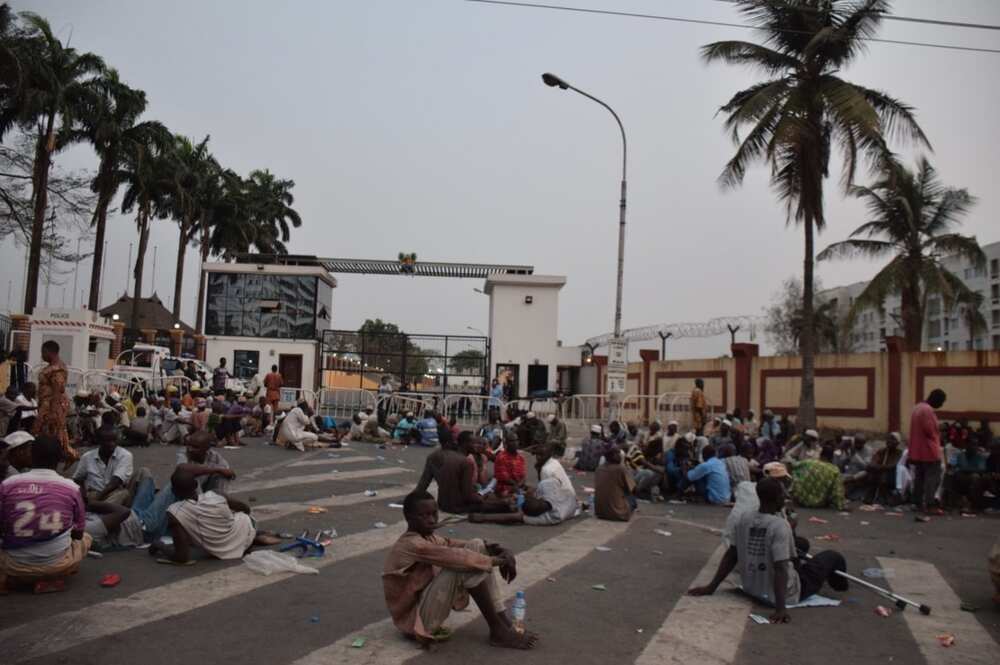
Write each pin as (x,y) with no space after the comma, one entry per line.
(53,405)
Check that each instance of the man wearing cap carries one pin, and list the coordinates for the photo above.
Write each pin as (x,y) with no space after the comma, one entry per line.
(532,432)
(557,435)
(671,437)
(881,471)
(698,406)
(591,450)
(42,523)
(854,465)
(806,449)
(15,454)
(724,437)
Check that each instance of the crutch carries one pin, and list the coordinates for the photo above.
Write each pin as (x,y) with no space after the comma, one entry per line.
(900,601)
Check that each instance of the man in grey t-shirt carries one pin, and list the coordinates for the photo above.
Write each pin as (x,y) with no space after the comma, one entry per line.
(763,547)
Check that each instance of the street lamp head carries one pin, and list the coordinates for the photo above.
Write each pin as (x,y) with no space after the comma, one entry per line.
(554,81)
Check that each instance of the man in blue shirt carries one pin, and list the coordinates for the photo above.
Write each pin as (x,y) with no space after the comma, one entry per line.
(710,478)
(428,429)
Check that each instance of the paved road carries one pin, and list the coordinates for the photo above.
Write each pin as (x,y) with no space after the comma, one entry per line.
(217,612)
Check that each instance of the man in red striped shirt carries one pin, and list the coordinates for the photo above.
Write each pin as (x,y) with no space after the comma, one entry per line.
(924,452)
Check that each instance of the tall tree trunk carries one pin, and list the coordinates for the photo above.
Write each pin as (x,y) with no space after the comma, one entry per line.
(807,342)
(179,275)
(40,197)
(912,315)
(200,325)
(99,223)
(139,260)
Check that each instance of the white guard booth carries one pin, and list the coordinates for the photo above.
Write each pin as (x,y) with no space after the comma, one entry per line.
(84,339)
(524,331)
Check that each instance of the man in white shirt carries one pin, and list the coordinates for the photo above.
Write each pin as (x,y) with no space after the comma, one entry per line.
(27,406)
(105,474)
(554,499)
(176,424)
(296,429)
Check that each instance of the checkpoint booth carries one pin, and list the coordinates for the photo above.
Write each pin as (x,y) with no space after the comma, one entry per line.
(84,337)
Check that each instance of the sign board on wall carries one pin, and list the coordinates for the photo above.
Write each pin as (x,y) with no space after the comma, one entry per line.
(617,366)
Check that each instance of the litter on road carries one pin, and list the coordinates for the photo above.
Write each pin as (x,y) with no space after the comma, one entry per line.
(661,532)
(599,587)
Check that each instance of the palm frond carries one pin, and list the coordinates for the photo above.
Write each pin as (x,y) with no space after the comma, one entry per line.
(750,54)
(855,248)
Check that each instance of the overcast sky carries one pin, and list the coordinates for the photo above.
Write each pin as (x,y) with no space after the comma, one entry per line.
(422,126)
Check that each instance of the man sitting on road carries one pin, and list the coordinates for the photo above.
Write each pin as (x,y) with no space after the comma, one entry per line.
(428,428)
(807,448)
(710,478)
(105,474)
(880,474)
(557,435)
(509,468)
(817,482)
(645,473)
(427,576)
(554,499)
(591,450)
(297,429)
(613,489)
(220,526)
(113,525)
(763,551)
(203,461)
(41,523)
(454,476)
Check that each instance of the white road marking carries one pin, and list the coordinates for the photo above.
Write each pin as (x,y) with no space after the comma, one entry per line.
(690,633)
(66,630)
(258,485)
(333,460)
(273,511)
(921,582)
(386,646)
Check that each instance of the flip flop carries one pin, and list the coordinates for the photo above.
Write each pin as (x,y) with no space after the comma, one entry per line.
(49,586)
(442,634)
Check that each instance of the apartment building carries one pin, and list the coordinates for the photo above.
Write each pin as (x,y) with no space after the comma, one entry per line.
(943,330)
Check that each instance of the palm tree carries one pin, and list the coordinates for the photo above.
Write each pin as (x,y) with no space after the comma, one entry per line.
(149,177)
(912,217)
(11,72)
(196,166)
(271,203)
(56,85)
(113,128)
(825,325)
(221,215)
(801,112)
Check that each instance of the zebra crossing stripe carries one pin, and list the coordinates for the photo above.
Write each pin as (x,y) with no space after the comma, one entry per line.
(386,646)
(258,485)
(690,633)
(273,511)
(921,582)
(333,460)
(66,630)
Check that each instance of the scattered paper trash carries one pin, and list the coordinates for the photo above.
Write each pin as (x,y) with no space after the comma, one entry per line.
(894,514)
(314,619)
(358,643)
(599,587)
(111,579)
(371,493)
(638,630)
(756,618)
(818,520)
(844,514)
(946,640)
(551,579)
(316,510)
(380,458)
(94,554)
(829,537)
(882,611)
(661,532)
(266,562)
(865,523)
(380,525)
(658,552)
(231,447)
(602,548)
(395,505)
(968,607)
(968,514)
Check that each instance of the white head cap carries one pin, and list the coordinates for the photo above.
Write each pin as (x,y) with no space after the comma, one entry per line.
(812,434)
(689,437)
(596,429)
(727,422)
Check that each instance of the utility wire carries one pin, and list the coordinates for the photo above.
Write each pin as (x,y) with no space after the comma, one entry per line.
(677,19)
(927,21)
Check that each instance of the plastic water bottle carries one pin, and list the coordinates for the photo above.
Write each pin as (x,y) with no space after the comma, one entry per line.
(520,502)
(518,611)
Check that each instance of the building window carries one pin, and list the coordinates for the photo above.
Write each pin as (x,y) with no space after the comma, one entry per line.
(934,306)
(978,344)
(996,341)
(254,305)
(934,328)
(995,292)
(996,318)
(246,364)
(995,267)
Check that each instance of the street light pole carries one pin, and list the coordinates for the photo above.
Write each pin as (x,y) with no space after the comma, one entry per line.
(554,81)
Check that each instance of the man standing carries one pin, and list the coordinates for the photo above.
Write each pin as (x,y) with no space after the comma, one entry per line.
(273,382)
(763,548)
(496,399)
(698,406)
(924,452)
(220,375)
(53,405)
(42,522)
(427,576)
(384,395)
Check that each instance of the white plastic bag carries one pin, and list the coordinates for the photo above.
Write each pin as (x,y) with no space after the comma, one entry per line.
(266,562)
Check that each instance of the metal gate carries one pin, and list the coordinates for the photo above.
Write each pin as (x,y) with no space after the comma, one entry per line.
(431,366)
